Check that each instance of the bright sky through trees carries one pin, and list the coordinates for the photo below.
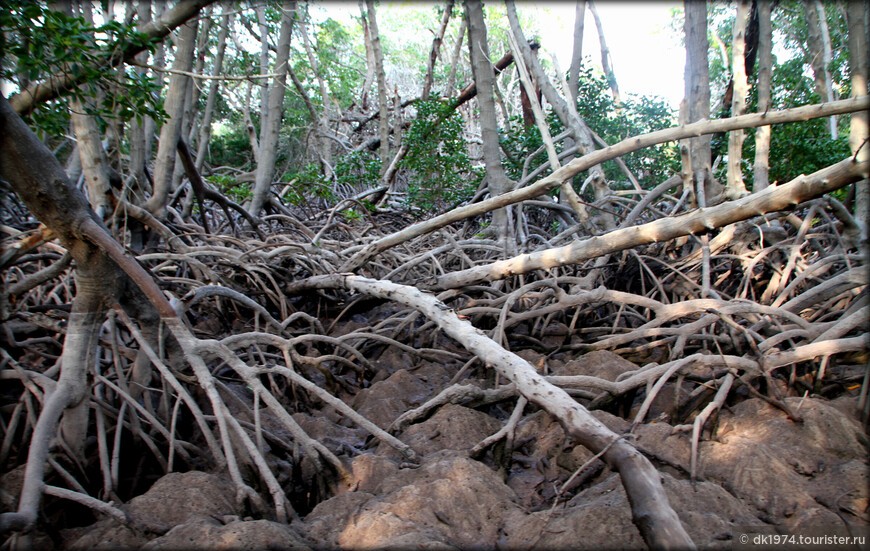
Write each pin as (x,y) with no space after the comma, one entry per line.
(647,58)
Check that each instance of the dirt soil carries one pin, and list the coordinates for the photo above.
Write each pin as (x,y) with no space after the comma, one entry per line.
(760,469)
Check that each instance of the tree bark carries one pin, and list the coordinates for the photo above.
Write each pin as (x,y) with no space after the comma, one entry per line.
(481,66)
(819,43)
(435,49)
(370,57)
(761,166)
(606,61)
(577,51)
(136,137)
(735,187)
(381,77)
(454,64)
(93,157)
(697,78)
(213,87)
(542,186)
(272,123)
(856,17)
(171,130)
(264,67)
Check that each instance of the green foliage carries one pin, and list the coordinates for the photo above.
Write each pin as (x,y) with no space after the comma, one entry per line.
(230,148)
(800,147)
(639,115)
(351,215)
(795,148)
(358,168)
(440,170)
(238,192)
(340,67)
(38,43)
(306,184)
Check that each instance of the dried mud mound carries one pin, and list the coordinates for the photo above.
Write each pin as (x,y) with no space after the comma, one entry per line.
(761,469)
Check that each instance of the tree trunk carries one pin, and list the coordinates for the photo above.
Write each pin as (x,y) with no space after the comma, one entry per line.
(93,156)
(272,123)
(171,130)
(454,64)
(697,78)
(580,132)
(321,123)
(136,137)
(765,64)
(606,61)
(213,87)
(436,48)
(264,67)
(370,57)
(38,179)
(481,67)
(819,43)
(856,16)
(735,187)
(577,51)
(383,107)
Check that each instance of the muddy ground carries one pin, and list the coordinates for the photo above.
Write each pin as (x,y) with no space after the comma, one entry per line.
(759,469)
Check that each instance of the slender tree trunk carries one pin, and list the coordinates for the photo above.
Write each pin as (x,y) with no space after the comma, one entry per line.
(857,20)
(370,57)
(93,157)
(194,89)
(765,65)
(249,125)
(383,107)
(697,78)
(436,48)
(820,55)
(321,123)
(736,188)
(454,64)
(136,137)
(481,67)
(213,87)
(577,51)
(580,131)
(171,130)
(606,61)
(264,67)
(272,123)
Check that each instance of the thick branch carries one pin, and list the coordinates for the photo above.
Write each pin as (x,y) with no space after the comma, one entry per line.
(576,166)
(699,221)
(27,100)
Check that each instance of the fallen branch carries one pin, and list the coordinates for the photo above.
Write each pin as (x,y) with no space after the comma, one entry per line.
(652,514)
(578,165)
(698,221)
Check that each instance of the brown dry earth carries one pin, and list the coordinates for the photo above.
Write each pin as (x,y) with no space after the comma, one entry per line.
(760,469)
